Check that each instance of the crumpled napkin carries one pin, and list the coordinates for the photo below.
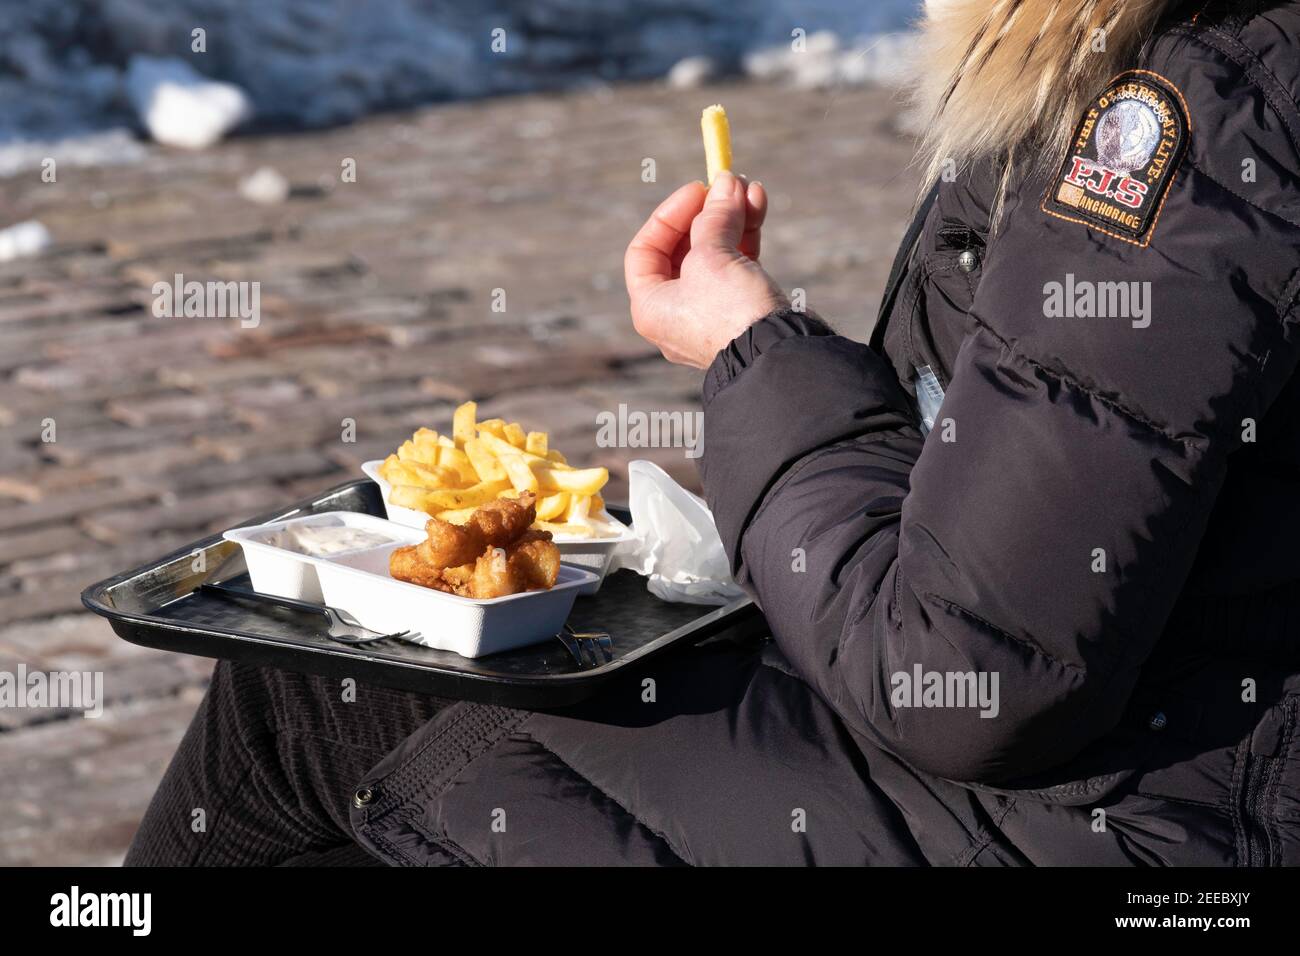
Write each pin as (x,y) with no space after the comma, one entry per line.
(677,547)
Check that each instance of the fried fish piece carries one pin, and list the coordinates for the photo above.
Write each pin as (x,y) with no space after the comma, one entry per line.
(534,561)
(492,576)
(449,545)
(493,554)
(459,577)
(408,564)
(502,521)
(493,525)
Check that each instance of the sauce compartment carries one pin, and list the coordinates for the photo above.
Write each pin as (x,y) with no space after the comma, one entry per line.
(277,566)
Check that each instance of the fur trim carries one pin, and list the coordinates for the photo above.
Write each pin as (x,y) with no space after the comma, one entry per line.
(1008,79)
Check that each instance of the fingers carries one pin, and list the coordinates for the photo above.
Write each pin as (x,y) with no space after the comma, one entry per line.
(649,258)
(755,213)
(721,223)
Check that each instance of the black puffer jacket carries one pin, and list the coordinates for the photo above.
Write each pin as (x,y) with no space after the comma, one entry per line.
(1099,532)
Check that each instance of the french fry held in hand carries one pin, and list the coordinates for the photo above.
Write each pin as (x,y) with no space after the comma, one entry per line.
(450,476)
(717,140)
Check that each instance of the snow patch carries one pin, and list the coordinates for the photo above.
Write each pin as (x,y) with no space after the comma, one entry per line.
(108,148)
(692,72)
(823,60)
(181,107)
(22,240)
(266,186)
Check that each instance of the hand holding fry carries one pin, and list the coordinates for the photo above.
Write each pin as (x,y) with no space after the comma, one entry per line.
(692,271)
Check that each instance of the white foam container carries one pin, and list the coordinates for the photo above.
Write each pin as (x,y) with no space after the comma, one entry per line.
(469,627)
(358,582)
(594,554)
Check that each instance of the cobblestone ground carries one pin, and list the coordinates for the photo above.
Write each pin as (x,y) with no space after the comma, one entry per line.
(376,306)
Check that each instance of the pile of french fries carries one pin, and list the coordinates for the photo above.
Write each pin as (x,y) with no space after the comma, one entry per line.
(448,476)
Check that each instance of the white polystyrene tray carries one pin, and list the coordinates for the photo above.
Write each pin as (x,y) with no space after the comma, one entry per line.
(358,582)
(594,554)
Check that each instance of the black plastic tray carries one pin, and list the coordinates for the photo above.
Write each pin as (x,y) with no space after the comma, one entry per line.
(155,606)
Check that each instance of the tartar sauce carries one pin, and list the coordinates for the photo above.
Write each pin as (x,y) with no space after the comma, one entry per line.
(318,541)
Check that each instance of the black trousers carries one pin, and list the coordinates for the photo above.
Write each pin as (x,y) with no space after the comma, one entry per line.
(265,773)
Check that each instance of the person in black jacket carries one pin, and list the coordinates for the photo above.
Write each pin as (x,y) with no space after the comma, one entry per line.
(1027,556)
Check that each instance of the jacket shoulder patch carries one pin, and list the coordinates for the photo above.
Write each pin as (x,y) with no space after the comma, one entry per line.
(1122,159)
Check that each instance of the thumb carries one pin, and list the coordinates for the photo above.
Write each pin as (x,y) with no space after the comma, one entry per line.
(721,223)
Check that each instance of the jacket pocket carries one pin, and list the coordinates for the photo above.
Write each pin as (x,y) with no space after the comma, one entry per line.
(928,326)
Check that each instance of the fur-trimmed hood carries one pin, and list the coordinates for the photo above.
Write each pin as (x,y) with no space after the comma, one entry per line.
(1009,78)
